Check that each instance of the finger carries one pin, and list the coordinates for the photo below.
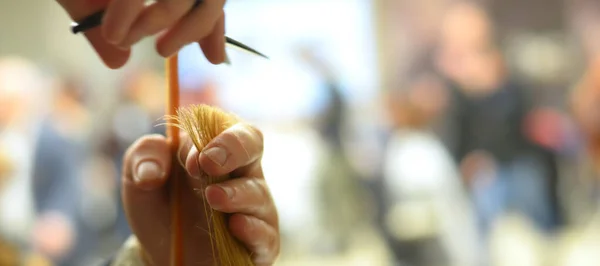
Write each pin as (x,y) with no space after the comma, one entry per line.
(247,195)
(145,200)
(118,19)
(196,26)
(111,55)
(147,163)
(237,151)
(155,18)
(213,45)
(260,238)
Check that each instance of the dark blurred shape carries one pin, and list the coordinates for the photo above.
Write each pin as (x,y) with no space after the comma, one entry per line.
(527,16)
(344,202)
(490,107)
(330,122)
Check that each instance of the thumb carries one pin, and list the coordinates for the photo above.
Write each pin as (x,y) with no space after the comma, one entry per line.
(145,199)
(112,56)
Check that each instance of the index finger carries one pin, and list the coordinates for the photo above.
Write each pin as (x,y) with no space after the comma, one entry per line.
(236,151)
(111,55)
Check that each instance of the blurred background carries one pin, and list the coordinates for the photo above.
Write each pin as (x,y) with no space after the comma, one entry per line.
(397,132)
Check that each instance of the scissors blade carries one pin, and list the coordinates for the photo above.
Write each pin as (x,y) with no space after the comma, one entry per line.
(243,47)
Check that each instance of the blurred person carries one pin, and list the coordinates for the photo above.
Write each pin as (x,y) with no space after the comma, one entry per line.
(23,93)
(344,204)
(331,121)
(138,112)
(501,166)
(469,59)
(59,233)
(428,219)
(254,218)
(140,106)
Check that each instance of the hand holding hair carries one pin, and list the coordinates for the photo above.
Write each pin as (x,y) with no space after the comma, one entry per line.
(245,197)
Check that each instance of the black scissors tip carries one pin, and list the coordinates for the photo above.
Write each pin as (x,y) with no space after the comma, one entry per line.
(88,23)
(244,47)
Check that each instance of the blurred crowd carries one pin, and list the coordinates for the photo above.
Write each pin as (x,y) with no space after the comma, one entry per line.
(472,160)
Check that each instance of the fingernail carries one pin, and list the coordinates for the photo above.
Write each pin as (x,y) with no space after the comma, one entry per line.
(217,155)
(228,191)
(147,170)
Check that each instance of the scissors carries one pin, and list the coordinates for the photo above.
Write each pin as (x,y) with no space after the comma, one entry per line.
(95,20)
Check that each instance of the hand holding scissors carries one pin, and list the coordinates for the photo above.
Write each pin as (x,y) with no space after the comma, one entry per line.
(123,23)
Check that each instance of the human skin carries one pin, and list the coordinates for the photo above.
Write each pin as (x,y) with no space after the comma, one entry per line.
(237,152)
(126,22)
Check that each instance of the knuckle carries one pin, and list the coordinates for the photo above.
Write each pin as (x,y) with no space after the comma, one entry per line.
(257,135)
(271,248)
(230,136)
(236,139)
(250,138)
(267,248)
(261,190)
(273,241)
(256,195)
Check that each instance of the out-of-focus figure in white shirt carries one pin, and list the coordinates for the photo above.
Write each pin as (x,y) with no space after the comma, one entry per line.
(427,206)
